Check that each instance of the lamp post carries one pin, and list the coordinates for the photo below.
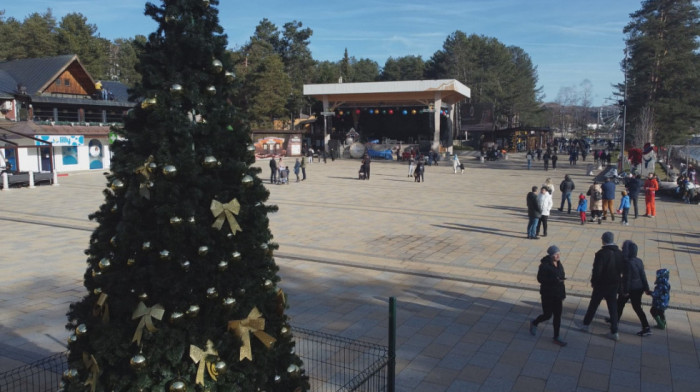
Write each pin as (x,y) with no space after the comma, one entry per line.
(624,117)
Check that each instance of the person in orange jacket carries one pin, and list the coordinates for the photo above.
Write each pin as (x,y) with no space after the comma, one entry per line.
(651,185)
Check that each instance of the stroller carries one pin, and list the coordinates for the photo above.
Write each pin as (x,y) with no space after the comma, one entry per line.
(284,175)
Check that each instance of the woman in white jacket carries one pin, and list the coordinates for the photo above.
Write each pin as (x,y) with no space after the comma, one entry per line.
(544,199)
(456,164)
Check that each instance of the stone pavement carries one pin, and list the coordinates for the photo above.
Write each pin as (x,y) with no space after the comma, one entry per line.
(452,250)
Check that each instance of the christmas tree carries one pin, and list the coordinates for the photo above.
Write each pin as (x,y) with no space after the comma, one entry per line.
(181,280)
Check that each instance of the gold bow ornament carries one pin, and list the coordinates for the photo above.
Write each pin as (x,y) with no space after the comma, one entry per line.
(200,356)
(91,364)
(254,324)
(147,315)
(101,308)
(225,211)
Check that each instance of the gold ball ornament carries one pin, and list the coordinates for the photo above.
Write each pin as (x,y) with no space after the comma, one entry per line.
(70,374)
(131,261)
(81,330)
(212,293)
(137,362)
(217,66)
(264,247)
(72,338)
(203,250)
(104,264)
(247,180)
(176,89)
(165,254)
(169,170)
(278,379)
(268,284)
(230,76)
(148,102)
(192,311)
(210,161)
(143,297)
(177,386)
(229,302)
(114,209)
(117,184)
(219,368)
(293,370)
(286,331)
(185,265)
(152,166)
(176,317)
(236,256)
(211,90)
(175,221)
(223,265)
(97,291)
(146,245)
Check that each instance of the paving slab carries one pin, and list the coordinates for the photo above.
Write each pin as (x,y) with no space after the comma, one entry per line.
(452,250)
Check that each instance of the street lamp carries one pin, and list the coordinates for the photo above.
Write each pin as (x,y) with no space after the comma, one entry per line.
(624,118)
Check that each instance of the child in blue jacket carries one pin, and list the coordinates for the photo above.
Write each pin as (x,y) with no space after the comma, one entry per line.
(660,297)
(582,207)
(624,207)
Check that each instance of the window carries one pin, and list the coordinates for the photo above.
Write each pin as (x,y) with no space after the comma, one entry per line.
(70,155)
(66,82)
(58,82)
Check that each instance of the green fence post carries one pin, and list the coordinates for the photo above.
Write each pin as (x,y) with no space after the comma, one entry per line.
(391,372)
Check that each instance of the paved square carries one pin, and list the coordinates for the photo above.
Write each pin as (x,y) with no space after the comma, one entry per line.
(452,250)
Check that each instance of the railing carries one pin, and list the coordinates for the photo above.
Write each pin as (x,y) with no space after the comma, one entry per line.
(332,363)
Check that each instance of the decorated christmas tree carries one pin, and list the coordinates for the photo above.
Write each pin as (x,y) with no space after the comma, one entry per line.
(181,280)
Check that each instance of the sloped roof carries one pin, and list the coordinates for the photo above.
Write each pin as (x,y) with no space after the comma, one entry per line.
(7,85)
(36,74)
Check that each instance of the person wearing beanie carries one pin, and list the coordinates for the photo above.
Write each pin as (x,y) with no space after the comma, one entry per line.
(634,285)
(551,277)
(582,207)
(606,278)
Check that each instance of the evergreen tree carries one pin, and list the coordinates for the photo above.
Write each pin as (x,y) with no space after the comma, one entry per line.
(181,280)
(663,101)
(75,36)
(38,35)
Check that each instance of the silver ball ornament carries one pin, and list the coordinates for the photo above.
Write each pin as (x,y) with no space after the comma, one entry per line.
(211,90)
(229,302)
(104,264)
(137,362)
(177,386)
(70,374)
(210,161)
(230,76)
(247,180)
(203,250)
(164,254)
(81,330)
(236,256)
(293,370)
(117,184)
(212,293)
(185,265)
(175,317)
(217,66)
(268,284)
(97,291)
(175,221)
(169,170)
(223,265)
(176,89)
(192,311)
(146,245)
(72,338)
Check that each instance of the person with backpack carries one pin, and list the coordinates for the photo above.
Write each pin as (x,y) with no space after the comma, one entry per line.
(660,298)
(551,277)
(634,285)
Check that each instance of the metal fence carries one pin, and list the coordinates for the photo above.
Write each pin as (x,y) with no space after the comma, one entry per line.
(333,363)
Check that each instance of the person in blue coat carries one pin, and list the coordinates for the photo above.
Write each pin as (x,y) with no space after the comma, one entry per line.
(624,207)
(608,190)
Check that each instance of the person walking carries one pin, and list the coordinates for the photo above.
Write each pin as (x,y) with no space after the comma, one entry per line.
(533,214)
(529,158)
(606,278)
(551,277)
(624,207)
(545,159)
(634,285)
(566,187)
(544,199)
(455,163)
(634,185)
(582,208)
(651,185)
(554,159)
(608,188)
(596,193)
(411,165)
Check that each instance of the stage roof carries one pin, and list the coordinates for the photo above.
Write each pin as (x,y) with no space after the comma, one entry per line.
(402,93)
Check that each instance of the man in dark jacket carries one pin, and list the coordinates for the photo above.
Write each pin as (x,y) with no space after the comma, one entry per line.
(551,278)
(634,185)
(273,170)
(534,212)
(566,187)
(634,285)
(606,278)
(608,198)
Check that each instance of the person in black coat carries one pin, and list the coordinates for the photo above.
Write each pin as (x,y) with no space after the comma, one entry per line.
(534,212)
(551,277)
(634,185)
(634,284)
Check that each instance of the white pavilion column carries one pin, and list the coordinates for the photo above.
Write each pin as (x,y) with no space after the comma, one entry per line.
(436,119)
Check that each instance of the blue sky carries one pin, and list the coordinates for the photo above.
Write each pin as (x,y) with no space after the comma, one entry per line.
(568,40)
